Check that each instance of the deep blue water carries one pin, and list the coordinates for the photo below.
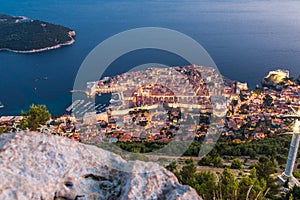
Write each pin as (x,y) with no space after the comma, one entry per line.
(246,39)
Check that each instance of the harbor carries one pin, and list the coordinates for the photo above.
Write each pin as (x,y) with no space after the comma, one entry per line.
(80,107)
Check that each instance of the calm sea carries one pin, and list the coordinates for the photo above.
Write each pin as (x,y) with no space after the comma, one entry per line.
(245,38)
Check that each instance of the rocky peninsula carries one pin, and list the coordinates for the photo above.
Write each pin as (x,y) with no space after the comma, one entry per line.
(24,35)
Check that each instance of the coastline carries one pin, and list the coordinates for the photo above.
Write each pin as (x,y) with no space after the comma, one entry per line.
(72,34)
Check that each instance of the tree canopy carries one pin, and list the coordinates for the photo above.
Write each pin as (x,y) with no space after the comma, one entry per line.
(36,115)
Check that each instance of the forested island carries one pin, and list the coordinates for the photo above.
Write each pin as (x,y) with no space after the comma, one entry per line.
(24,35)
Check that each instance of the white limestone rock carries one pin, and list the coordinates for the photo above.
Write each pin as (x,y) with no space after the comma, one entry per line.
(39,166)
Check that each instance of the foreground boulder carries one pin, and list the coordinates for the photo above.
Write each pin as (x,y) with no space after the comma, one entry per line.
(39,166)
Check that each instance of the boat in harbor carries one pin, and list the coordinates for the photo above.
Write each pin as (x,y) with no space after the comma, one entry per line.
(1,105)
(87,104)
(98,106)
(73,105)
(91,107)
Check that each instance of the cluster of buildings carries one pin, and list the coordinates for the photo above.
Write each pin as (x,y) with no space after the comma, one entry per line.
(259,113)
(10,123)
(66,126)
(157,104)
(160,105)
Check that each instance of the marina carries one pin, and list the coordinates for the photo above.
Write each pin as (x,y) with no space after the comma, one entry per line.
(73,105)
(80,107)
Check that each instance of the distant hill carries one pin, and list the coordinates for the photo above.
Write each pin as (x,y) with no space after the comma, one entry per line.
(24,35)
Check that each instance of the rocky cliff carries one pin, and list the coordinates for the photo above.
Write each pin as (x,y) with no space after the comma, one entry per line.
(277,79)
(39,166)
